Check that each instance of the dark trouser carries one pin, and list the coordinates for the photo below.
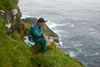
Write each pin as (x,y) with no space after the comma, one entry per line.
(42,41)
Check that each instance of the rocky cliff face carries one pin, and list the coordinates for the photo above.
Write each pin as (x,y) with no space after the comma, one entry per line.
(12,19)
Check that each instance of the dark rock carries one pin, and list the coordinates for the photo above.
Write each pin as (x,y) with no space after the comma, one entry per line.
(30,20)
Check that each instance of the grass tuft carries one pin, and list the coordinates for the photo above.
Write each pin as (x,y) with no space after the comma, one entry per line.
(13,53)
(6,4)
(54,57)
(16,35)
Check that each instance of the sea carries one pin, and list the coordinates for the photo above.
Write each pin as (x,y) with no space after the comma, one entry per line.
(77,23)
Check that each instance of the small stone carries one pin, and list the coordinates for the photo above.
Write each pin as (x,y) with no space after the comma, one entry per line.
(14,11)
(2,11)
(8,25)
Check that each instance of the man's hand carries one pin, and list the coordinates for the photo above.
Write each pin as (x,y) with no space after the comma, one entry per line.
(41,34)
(46,37)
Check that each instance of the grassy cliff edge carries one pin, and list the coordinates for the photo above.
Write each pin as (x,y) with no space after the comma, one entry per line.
(15,53)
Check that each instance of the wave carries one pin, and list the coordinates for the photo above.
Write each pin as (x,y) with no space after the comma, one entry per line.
(75,54)
(26,16)
(53,24)
(95,54)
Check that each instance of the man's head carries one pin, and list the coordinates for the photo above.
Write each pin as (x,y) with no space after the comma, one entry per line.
(41,21)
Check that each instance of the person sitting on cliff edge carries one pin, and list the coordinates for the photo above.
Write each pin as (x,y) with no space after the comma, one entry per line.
(38,36)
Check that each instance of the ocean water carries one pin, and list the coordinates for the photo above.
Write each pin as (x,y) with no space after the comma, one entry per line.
(77,22)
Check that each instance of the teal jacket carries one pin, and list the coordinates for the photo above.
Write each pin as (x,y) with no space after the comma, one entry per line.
(35,32)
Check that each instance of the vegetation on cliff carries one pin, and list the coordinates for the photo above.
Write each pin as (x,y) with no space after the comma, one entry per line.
(12,52)
(15,53)
(54,57)
(10,12)
(6,4)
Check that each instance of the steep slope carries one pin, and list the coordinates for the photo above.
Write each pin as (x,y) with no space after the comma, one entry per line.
(13,53)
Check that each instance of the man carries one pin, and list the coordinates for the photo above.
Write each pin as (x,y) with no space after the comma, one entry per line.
(37,35)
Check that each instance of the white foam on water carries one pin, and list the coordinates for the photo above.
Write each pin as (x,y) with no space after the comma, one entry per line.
(94,30)
(95,54)
(79,52)
(76,44)
(72,54)
(61,43)
(53,24)
(26,16)
(59,31)
(70,24)
(75,54)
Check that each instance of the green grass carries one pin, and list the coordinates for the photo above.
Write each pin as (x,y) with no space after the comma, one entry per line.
(15,53)
(54,57)
(27,25)
(16,35)
(6,4)
(26,28)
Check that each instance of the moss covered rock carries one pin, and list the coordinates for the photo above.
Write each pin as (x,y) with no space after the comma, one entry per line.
(11,14)
(13,53)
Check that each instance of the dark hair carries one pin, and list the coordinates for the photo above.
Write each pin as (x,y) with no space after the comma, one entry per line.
(41,20)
